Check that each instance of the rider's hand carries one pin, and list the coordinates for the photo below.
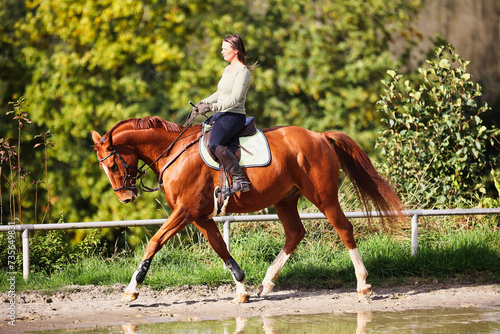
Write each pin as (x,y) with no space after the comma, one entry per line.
(203,108)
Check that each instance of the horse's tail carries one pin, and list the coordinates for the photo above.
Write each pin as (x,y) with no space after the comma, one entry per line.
(367,182)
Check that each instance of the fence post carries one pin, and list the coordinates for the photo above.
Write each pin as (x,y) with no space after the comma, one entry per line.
(414,234)
(26,253)
(227,233)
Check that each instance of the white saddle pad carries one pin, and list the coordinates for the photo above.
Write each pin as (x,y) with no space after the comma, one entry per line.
(258,155)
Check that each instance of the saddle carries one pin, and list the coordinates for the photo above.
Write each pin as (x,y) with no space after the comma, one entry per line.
(234,144)
(250,148)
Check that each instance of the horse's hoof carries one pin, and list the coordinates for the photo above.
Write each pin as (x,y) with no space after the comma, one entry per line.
(129,296)
(241,298)
(365,294)
(265,289)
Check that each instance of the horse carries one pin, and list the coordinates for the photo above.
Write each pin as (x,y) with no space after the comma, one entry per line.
(303,162)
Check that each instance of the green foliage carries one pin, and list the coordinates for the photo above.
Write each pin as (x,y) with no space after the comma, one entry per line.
(320,62)
(490,202)
(88,64)
(13,78)
(51,251)
(435,143)
(454,249)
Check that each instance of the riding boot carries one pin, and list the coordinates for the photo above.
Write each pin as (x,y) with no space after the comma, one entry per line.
(229,162)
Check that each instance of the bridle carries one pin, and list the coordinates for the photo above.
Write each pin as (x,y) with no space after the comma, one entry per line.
(136,182)
(133,179)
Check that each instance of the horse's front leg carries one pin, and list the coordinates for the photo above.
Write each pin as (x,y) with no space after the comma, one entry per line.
(131,292)
(172,225)
(211,232)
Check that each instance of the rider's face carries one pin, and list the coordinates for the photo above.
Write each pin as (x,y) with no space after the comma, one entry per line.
(228,52)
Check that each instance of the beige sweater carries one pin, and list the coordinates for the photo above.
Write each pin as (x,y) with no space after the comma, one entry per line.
(231,91)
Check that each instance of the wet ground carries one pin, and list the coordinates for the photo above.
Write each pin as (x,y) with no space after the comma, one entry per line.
(406,308)
(412,321)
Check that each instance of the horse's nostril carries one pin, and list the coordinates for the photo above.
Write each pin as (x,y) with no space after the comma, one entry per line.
(127,201)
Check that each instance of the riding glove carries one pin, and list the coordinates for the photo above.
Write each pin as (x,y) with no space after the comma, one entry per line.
(203,108)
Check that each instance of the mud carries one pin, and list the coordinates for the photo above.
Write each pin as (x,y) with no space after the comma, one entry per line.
(91,306)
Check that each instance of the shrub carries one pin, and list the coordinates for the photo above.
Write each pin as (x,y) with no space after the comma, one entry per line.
(51,252)
(435,143)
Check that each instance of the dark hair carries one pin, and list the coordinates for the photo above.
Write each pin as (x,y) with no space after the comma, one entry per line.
(236,43)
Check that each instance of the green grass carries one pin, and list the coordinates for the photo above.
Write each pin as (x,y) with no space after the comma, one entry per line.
(446,251)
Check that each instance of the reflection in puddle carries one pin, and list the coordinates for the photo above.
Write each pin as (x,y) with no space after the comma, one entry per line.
(415,321)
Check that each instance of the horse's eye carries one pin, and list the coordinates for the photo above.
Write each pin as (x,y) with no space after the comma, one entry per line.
(114,168)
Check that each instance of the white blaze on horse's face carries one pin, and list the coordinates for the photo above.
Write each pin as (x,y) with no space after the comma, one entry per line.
(106,170)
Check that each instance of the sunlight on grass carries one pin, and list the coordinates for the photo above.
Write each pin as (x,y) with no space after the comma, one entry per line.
(447,248)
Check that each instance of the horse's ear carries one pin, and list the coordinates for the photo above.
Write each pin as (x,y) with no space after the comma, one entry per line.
(96,136)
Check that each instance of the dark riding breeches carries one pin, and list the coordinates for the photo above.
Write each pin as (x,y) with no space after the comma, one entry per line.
(227,125)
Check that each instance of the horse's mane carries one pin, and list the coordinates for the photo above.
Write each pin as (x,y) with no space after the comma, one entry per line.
(148,122)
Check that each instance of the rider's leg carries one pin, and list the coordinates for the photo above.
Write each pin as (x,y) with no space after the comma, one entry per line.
(228,160)
(226,127)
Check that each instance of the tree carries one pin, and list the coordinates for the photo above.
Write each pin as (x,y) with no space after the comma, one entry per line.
(435,142)
(320,62)
(91,63)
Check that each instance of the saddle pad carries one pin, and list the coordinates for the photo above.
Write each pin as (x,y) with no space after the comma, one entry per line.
(257,145)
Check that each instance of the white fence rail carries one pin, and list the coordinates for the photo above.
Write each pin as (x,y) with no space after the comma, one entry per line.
(227,220)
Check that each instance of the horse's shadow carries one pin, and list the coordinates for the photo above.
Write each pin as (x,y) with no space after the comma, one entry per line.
(154,305)
(253,299)
(185,302)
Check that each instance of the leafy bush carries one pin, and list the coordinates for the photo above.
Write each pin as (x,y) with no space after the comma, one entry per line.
(435,143)
(51,251)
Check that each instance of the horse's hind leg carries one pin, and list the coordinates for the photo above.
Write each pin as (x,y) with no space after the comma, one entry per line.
(322,191)
(294,233)
(345,231)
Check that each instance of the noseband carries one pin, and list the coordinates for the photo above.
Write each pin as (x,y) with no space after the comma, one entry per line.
(133,180)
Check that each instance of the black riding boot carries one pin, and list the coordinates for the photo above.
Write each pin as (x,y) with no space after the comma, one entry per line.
(229,162)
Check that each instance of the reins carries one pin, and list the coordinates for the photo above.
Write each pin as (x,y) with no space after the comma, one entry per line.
(138,180)
(167,150)
(168,164)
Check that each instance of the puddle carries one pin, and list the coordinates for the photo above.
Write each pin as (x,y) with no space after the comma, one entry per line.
(414,321)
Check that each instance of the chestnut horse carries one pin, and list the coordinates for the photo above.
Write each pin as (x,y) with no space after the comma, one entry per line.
(303,162)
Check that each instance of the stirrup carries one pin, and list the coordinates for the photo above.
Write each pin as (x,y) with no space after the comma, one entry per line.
(242,186)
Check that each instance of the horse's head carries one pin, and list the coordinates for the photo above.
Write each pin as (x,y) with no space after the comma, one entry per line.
(119,162)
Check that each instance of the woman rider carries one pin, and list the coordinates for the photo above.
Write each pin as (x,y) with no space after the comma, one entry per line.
(228,102)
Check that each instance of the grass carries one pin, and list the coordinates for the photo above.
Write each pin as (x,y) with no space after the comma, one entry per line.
(447,250)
